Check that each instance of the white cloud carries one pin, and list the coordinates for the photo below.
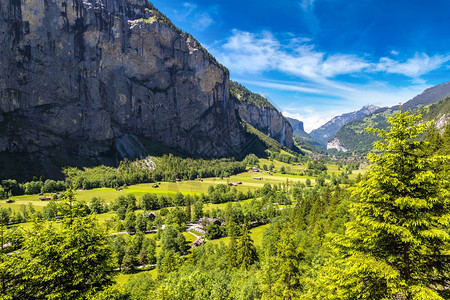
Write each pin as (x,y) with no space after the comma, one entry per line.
(314,74)
(245,52)
(413,67)
(202,21)
(293,87)
(311,120)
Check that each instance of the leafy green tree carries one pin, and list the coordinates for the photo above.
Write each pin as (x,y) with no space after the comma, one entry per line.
(198,209)
(148,202)
(280,266)
(97,205)
(139,286)
(178,200)
(232,253)
(172,240)
(141,223)
(213,231)
(130,221)
(176,216)
(121,212)
(118,245)
(168,261)
(149,246)
(397,246)
(188,201)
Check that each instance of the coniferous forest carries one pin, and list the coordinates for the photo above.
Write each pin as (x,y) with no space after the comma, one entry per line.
(382,235)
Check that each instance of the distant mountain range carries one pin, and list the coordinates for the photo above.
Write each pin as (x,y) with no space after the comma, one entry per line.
(352,137)
(303,139)
(347,132)
(327,131)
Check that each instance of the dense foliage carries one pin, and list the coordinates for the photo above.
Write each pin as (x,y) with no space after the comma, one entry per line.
(154,169)
(71,261)
(240,93)
(384,235)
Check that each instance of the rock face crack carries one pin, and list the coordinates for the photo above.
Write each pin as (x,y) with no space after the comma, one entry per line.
(113,68)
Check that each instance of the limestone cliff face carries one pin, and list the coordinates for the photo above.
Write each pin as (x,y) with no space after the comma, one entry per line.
(261,114)
(335,144)
(76,75)
(269,121)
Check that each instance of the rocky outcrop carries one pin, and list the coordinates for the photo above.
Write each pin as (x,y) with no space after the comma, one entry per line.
(303,137)
(296,124)
(261,114)
(79,75)
(335,144)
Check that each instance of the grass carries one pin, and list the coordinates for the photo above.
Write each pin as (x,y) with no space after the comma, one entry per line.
(256,234)
(191,187)
(123,278)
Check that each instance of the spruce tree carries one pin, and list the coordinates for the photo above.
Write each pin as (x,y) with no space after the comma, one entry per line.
(246,255)
(232,252)
(398,244)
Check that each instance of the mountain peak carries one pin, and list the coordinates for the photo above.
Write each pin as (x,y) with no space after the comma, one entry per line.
(329,129)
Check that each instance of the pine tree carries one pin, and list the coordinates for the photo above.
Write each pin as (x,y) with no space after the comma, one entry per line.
(397,246)
(246,255)
(286,268)
(232,253)
(188,207)
(127,266)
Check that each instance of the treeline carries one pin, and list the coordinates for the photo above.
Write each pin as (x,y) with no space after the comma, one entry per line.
(154,169)
(11,187)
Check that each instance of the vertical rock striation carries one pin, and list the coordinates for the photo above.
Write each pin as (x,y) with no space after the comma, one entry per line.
(261,114)
(76,75)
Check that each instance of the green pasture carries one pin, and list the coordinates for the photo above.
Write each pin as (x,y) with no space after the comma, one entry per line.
(123,278)
(256,234)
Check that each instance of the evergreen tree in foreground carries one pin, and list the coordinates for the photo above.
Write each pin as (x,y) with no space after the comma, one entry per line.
(246,254)
(398,244)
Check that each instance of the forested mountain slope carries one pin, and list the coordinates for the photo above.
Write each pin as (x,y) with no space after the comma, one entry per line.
(261,114)
(328,130)
(355,138)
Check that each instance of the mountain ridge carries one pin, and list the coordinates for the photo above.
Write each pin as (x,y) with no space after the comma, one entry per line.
(329,129)
(354,138)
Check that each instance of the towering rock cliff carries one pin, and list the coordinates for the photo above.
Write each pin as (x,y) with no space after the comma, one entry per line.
(80,76)
(261,114)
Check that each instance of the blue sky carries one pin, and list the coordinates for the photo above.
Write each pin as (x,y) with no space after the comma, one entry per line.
(315,59)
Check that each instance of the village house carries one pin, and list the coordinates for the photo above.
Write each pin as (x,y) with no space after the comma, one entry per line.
(197,243)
